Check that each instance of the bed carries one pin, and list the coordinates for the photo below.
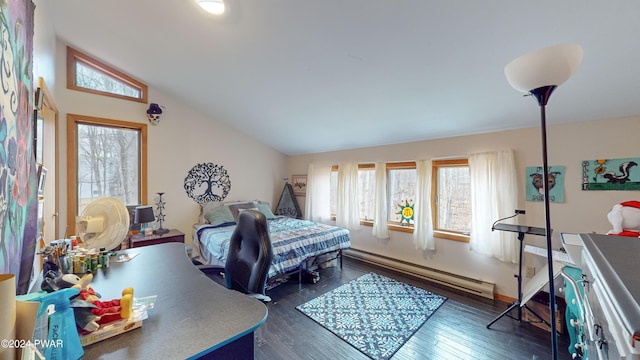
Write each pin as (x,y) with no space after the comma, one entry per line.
(297,244)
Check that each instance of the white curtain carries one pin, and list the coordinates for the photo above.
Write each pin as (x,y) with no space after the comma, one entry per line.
(494,195)
(317,205)
(380,229)
(423,224)
(348,210)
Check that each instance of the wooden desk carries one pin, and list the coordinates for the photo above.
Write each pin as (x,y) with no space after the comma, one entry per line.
(138,240)
(193,317)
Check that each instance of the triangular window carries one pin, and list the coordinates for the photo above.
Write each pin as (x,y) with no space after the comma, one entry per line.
(87,74)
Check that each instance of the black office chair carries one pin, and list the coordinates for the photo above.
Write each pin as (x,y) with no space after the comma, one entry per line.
(249,257)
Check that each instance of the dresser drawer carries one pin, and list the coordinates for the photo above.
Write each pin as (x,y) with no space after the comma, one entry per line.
(608,336)
(139,240)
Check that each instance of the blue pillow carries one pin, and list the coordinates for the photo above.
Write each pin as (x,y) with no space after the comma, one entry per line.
(219,216)
(264,208)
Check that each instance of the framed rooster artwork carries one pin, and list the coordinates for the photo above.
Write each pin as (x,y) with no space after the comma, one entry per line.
(535,185)
(611,174)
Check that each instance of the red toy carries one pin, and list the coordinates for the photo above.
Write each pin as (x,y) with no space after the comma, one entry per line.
(108,311)
(91,312)
(625,219)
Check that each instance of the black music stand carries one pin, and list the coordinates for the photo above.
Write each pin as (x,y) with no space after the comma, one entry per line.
(521,230)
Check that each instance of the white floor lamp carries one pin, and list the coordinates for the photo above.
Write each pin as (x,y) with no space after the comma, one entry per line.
(539,73)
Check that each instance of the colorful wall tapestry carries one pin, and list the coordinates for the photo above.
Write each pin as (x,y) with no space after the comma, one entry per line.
(18,183)
(535,189)
(611,174)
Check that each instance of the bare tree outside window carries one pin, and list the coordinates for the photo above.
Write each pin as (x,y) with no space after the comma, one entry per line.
(401,187)
(108,164)
(367,193)
(454,199)
(88,77)
(87,74)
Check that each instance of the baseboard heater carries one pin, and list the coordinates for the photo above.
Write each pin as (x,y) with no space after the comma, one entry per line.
(463,283)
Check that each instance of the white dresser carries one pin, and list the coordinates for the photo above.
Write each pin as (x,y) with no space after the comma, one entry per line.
(611,280)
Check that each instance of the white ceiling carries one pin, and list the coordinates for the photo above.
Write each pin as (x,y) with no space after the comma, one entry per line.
(314,76)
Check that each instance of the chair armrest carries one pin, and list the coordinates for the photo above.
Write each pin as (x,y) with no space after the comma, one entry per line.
(213,272)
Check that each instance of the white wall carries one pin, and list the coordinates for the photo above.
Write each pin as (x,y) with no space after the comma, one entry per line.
(44,45)
(568,145)
(183,139)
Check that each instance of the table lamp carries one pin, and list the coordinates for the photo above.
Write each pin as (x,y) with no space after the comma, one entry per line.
(144,215)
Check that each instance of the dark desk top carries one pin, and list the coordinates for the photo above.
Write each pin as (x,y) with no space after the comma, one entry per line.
(192,316)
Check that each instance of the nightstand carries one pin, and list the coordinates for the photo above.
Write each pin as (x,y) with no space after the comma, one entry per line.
(138,240)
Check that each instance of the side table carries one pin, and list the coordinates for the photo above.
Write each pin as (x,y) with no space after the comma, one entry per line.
(138,240)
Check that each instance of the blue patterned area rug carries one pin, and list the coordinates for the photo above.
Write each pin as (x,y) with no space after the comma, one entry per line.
(373,313)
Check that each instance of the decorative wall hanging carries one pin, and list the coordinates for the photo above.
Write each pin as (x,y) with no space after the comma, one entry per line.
(160,214)
(18,174)
(207,182)
(611,174)
(153,113)
(299,184)
(288,204)
(406,213)
(535,189)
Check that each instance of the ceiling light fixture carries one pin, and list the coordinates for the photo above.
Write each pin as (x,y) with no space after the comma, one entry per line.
(215,7)
(539,73)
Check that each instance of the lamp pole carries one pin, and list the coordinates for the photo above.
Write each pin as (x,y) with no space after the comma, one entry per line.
(542,94)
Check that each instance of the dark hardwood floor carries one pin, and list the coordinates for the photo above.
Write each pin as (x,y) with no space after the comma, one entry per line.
(456,331)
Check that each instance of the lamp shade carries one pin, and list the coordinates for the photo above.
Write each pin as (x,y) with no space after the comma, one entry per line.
(143,214)
(550,66)
(215,7)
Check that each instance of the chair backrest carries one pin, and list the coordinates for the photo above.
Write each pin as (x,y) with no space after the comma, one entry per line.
(250,254)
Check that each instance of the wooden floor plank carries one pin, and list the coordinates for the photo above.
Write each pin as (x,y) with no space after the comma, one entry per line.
(456,331)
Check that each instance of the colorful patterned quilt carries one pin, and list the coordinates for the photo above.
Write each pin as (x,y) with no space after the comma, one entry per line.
(293,241)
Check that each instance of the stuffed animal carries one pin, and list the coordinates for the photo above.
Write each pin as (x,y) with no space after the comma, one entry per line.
(90,312)
(88,308)
(625,219)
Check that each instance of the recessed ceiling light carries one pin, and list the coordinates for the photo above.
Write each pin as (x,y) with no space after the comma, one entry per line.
(215,7)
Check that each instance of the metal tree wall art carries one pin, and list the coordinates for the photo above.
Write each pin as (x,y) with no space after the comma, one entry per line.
(207,182)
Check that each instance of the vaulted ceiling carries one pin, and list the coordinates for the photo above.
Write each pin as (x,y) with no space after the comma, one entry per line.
(315,76)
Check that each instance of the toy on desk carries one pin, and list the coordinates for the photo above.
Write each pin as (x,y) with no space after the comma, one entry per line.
(91,312)
(88,309)
(625,219)
(53,281)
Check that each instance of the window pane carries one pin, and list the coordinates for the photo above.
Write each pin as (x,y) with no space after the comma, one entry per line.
(333,184)
(88,77)
(454,199)
(367,193)
(108,164)
(401,189)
